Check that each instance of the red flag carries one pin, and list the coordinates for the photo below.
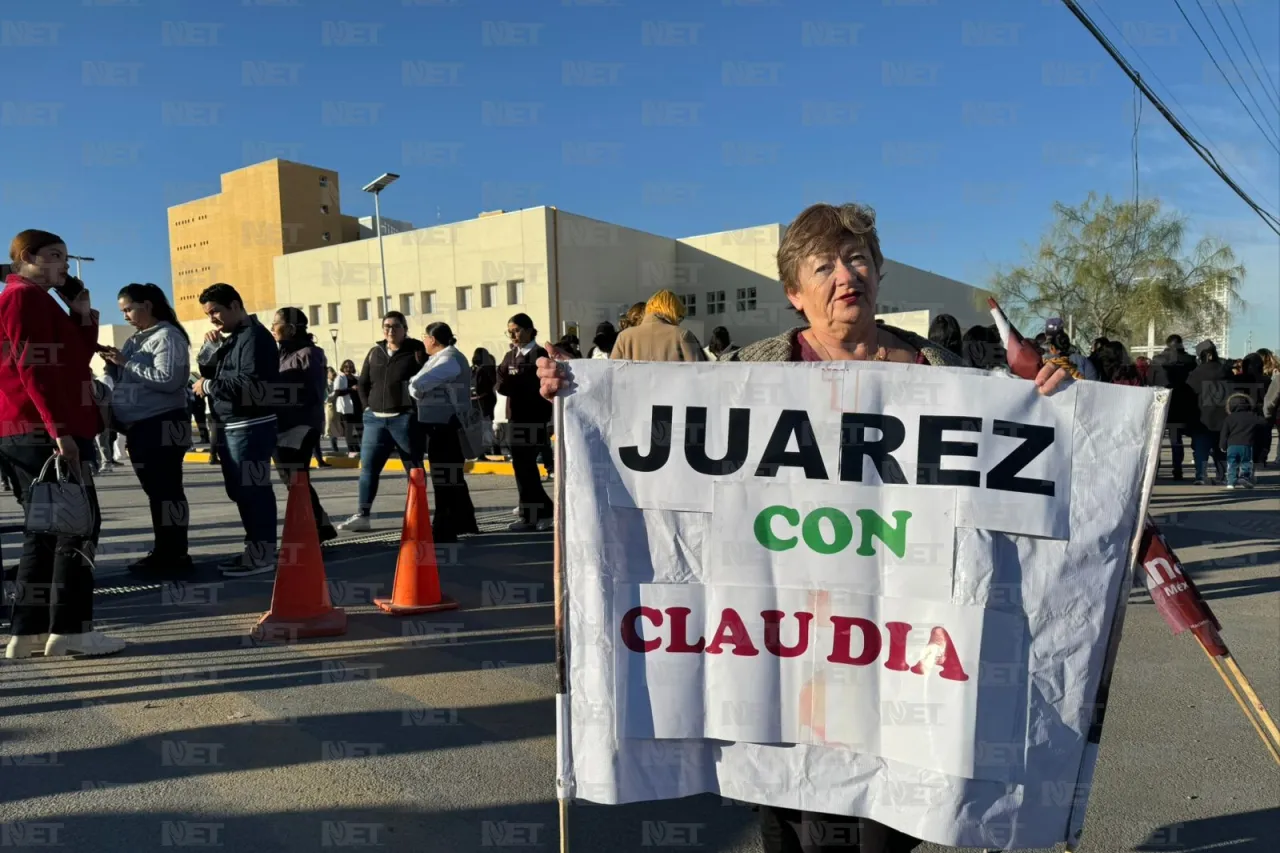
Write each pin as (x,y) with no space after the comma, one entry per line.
(1024,360)
(1174,594)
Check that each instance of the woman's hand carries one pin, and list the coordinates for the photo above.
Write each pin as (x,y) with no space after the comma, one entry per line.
(1051,378)
(116,357)
(553,376)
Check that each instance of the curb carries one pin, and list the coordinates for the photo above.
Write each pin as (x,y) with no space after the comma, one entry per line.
(502,469)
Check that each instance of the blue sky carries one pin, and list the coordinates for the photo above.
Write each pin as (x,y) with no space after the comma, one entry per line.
(960,122)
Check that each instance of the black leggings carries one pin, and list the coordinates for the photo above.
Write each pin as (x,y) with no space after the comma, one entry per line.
(53,585)
(291,460)
(156,449)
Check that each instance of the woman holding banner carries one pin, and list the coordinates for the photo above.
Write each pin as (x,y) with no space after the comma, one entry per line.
(830,263)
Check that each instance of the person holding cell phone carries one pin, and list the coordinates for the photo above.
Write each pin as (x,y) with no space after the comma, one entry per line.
(46,409)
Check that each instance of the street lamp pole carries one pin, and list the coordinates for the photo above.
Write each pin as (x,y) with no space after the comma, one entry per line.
(376,186)
(78,259)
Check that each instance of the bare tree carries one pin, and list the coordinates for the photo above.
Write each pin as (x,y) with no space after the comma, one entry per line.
(1115,266)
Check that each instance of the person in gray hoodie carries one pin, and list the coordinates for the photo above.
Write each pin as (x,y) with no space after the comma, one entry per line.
(149,402)
(300,404)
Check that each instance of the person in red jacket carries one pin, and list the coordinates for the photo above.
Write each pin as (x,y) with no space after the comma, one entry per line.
(47,407)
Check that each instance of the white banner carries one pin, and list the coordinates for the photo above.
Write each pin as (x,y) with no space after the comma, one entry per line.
(888,677)
(677,431)
(886,540)
(865,589)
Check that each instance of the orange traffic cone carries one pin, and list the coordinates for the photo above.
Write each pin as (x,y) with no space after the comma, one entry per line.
(417,583)
(300,604)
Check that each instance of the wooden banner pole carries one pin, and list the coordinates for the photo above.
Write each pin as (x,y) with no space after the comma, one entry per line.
(1253,707)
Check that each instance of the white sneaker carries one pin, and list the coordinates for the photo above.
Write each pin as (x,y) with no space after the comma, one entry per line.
(25,645)
(1231,485)
(516,512)
(356,524)
(545,524)
(90,644)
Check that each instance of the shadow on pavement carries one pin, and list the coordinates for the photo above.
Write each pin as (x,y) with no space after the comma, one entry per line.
(1248,832)
(700,823)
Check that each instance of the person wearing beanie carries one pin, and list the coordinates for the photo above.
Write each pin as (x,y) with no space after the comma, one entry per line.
(602,343)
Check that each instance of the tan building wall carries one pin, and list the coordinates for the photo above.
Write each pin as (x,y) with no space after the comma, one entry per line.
(263,211)
(721,271)
(428,268)
(602,269)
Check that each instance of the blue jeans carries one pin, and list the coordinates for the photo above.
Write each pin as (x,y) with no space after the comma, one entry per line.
(1204,445)
(402,434)
(1239,462)
(245,456)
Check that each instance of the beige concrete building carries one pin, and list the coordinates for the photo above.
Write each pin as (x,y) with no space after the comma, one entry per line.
(264,211)
(566,271)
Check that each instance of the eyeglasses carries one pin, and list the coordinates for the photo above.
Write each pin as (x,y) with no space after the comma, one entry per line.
(389,326)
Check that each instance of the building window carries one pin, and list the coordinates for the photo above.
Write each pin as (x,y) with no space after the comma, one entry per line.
(406,304)
(324,208)
(325,236)
(427,302)
(324,180)
(464,298)
(715,302)
(488,295)
(515,292)
(382,307)
(746,299)
(362,309)
(313,315)
(690,302)
(335,312)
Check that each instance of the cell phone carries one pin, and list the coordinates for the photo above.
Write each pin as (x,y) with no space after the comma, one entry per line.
(70,289)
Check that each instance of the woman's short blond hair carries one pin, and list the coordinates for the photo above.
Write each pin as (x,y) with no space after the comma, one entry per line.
(821,229)
(666,304)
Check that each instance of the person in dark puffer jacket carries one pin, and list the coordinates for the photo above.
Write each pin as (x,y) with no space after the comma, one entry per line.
(390,419)
(1238,435)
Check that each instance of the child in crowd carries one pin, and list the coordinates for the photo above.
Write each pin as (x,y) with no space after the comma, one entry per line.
(1237,436)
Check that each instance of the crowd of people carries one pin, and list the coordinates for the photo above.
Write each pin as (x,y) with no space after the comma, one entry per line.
(1226,409)
(265,397)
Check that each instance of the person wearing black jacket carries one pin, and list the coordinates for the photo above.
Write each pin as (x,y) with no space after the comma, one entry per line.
(390,419)
(1170,369)
(1238,436)
(1212,384)
(484,379)
(527,416)
(303,379)
(240,366)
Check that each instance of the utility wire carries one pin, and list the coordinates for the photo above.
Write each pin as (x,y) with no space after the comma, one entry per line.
(1191,119)
(1230,86)
(1231,59)
(1273,93)
(1273,222)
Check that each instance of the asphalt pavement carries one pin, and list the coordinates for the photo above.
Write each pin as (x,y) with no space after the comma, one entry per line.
(437,732)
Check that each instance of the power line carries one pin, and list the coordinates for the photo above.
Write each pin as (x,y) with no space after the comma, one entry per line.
(1269,86)
(1214,60)
(1273,222)
(1208,142)
(1232,60)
